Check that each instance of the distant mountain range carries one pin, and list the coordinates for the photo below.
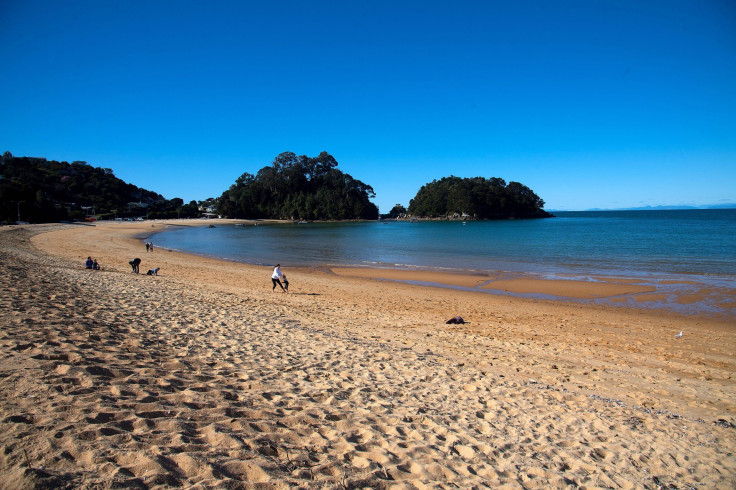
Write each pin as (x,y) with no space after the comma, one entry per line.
(655,208)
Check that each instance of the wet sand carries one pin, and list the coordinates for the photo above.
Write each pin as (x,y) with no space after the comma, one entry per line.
(202,376)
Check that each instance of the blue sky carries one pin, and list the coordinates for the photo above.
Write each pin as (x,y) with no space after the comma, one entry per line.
(592,104)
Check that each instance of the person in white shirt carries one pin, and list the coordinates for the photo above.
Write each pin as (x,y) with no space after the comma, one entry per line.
(276,278)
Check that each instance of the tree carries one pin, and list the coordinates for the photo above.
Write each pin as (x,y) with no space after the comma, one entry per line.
(299,187)
(477,197)
(54,191)
(396,212)
(190,210)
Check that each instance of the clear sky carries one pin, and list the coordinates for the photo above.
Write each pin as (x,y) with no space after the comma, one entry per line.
(592,104)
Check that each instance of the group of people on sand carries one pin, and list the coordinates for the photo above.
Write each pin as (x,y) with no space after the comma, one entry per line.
(278,278)
(91,264)
(136,263)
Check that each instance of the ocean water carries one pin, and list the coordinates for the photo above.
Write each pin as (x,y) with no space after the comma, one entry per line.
(700,242)
(653,246)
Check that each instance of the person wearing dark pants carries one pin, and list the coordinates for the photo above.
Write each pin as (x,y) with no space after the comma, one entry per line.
(135,264)
(276,278)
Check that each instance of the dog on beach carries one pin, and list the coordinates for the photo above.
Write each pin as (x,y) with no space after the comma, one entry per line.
(456,320)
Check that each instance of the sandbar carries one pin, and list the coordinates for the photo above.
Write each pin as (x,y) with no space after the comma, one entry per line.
(568,288)
(446,278)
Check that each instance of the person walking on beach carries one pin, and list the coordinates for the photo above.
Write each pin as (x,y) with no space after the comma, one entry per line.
(148,246)
(286,282)
(276,278)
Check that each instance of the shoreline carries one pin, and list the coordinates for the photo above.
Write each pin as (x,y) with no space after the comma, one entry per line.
(669,293)
(684,297)
(204,376)
(362,284)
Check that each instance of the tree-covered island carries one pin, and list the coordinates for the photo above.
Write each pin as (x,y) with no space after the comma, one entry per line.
(476,198)
(299,188)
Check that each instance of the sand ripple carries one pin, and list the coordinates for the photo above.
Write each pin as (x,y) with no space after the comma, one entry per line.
(114,380)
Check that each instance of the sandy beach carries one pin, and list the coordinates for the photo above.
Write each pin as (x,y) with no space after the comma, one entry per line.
(203,377)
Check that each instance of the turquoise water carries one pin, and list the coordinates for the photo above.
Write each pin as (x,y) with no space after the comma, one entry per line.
(701,242)
(659,248)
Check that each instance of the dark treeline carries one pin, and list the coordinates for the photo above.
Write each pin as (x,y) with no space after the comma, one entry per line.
(41,190)
(478,198)
(292,187)
(299,187)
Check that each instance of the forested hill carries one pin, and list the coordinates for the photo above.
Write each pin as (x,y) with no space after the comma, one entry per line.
(299,187)
(44,190)
(292,187)
(477,198)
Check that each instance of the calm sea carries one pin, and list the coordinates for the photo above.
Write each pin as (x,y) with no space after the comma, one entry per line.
(697,244)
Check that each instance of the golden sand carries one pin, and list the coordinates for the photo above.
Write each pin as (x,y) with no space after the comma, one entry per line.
(203,377)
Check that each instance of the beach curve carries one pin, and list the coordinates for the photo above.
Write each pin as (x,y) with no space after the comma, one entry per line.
(203,376)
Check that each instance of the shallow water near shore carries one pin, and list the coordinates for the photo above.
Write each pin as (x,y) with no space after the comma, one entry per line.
(666,248)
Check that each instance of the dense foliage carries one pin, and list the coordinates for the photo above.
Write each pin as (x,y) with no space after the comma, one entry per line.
(292,187)
(398,211)
(299,187)
(43,190)
(478,198)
